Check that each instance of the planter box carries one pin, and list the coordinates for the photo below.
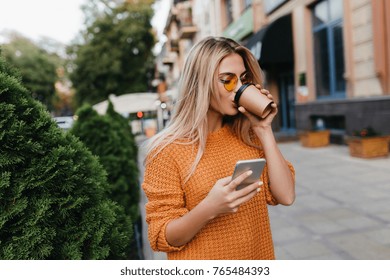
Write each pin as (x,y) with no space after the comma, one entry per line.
(315,139)
(369,147)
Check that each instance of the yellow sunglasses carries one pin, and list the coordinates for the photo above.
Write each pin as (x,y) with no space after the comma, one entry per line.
(230,80)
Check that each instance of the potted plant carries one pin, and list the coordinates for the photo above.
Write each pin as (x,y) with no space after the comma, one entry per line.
(367,143)
(315,138)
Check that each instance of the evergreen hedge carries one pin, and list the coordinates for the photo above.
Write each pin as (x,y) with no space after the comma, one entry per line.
(106,137)
(53,192)
(110,138)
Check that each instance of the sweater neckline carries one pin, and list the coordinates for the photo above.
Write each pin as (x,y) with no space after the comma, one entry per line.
(218,132)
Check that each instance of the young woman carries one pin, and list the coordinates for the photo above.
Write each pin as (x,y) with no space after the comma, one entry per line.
(194,210)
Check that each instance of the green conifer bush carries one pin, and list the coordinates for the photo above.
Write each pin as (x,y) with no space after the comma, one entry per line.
(53,192)
(109,137)
(127,153)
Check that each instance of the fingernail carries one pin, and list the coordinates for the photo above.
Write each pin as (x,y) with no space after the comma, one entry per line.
(249,172)
(260,183)
(258,189)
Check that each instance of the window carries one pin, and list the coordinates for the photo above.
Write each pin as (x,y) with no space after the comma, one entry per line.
(247,4)
(229,11)
(329,48)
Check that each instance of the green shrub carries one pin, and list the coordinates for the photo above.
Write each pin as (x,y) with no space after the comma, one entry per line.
(53,192)
(109,137)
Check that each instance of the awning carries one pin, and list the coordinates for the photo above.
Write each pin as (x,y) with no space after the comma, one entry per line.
(272,45)
(240,28)
(130,103)
(254,43)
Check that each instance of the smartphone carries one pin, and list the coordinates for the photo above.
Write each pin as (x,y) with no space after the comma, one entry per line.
(256,165)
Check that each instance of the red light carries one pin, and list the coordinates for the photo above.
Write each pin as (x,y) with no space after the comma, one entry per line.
(140,114)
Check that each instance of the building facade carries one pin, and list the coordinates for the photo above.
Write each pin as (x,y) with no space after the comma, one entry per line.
(325,60)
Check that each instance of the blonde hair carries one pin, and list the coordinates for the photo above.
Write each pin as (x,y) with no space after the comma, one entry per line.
(196,86)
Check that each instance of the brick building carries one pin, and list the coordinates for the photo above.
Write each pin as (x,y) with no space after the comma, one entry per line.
(327,59)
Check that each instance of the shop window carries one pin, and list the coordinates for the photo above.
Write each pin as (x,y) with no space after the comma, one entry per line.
(329,48)
(335,124)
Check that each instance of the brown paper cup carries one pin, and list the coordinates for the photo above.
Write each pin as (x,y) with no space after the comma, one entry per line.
(254,101)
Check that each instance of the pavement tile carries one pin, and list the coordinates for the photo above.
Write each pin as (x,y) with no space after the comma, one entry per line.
(289,234)
(374,206)
(361,247)
(381,236)
(307,249)
(316,202)
(282,254)
(339,213)
(359,223)
(384,216)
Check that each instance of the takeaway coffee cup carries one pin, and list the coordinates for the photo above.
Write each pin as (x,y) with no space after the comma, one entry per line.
(250,97)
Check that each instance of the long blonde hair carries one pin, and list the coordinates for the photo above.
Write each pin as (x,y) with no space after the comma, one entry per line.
(196,86)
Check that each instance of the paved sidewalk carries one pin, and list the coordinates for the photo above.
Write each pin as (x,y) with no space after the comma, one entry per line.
(149,254)
(342,209)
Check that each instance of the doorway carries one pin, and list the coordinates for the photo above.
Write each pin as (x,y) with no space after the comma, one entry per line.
(287,101)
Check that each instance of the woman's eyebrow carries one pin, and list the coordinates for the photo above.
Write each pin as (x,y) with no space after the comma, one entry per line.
(226,73)
(229,73)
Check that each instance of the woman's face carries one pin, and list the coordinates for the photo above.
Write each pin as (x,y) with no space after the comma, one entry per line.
(231,67)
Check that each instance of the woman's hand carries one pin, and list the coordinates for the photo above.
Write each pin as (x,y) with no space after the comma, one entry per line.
(257,121)
(224,198)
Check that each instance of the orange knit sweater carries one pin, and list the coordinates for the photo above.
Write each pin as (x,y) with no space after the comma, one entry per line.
(245,234)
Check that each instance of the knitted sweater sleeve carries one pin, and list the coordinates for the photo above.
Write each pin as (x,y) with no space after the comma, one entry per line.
(162,186)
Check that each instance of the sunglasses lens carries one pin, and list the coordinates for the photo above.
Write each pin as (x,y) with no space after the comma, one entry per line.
(229,82)
(246,78)
(229,86)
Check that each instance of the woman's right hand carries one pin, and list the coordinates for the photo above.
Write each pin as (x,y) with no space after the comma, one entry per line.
(223,198)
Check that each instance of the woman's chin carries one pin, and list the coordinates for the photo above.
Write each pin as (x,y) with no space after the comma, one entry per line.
(232,112)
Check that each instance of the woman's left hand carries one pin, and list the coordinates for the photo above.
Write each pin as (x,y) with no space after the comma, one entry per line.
(257,121)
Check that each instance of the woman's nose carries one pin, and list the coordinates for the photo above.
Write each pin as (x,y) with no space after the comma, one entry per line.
(238,85)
